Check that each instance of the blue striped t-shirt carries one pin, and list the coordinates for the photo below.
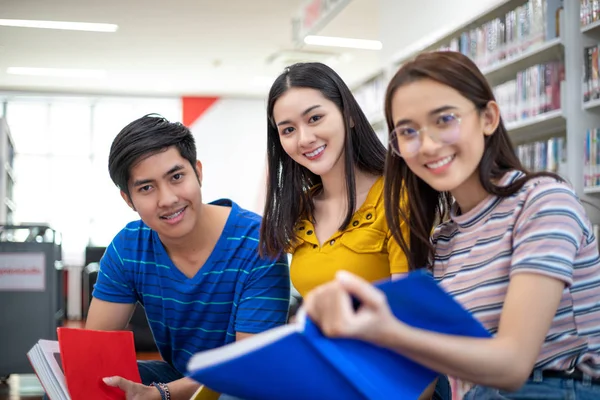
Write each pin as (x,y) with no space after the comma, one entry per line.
(234,291)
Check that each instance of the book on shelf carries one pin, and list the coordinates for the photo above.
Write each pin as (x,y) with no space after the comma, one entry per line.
(297,361)
(591,73)
(534,91)
(591,158)
(523,28)
(590,12)
(544,155)
(72,368)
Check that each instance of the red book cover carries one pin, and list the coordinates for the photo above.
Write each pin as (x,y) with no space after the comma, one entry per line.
(88,356)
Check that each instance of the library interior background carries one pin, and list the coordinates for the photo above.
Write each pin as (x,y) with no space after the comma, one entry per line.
(73,74)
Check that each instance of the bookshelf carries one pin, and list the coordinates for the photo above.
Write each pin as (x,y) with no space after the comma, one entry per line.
(590,28)
(590,41)
(7,175)
(541,126)
(554,43)
(507,69)
(592,190)
(591,105)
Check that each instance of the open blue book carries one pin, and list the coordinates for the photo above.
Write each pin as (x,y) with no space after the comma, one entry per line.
(297,362)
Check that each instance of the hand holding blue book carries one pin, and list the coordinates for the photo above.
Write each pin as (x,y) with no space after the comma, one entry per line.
(298,362)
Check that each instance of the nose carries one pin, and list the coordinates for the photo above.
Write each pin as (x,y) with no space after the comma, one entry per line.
(167,197)
(428,145)
(306,136)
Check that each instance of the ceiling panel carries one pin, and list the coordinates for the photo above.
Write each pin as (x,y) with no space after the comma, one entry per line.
(191,47)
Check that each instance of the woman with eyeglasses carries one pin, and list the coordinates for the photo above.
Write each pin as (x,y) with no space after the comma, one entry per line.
(515,248)
(324,198)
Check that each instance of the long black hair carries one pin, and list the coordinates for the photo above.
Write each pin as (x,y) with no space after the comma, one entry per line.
(288,196)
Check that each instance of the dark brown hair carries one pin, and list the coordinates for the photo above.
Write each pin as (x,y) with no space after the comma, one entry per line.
(288,195)
(427,206)
(144,137)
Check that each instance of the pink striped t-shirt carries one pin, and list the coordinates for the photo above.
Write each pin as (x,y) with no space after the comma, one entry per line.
(543,229)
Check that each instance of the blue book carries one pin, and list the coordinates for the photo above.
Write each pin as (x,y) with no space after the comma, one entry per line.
(297,362)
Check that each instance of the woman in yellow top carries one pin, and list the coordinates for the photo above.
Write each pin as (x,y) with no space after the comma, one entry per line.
(324,200)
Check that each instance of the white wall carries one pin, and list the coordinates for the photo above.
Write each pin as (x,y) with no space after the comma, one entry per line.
(231,137)
(404,24)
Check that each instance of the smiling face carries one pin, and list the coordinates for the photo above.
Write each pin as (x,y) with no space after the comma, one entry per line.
(165,192)
(433,108)
(311,129)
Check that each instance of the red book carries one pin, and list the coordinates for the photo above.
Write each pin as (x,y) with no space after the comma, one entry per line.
(88,356)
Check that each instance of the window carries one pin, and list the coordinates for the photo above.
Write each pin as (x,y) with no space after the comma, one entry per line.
(69,129)
(61,164)
(28,122)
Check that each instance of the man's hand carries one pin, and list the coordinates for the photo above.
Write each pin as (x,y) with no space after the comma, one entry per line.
(133,391)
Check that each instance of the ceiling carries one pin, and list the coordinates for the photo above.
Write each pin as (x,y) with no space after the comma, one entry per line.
(177,47)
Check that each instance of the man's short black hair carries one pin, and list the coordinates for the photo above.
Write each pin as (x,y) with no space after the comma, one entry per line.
(143,138)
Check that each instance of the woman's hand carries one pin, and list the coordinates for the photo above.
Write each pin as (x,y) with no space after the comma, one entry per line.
(330,307)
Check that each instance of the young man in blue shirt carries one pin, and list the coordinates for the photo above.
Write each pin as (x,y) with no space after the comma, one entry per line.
(194,266)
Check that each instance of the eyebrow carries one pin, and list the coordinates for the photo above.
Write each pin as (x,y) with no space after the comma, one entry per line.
(309,109)
(432,112)
(141,182)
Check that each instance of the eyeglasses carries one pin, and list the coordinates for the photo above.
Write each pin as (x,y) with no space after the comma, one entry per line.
(406,141)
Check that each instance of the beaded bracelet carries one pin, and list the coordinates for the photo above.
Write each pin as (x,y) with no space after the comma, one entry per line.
(163,390)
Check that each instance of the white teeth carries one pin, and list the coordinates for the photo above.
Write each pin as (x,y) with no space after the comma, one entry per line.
(173,215)
(315,152)
(440,163)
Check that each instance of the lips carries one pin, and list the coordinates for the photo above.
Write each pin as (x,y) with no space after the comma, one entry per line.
(441,162)
(316,152)
(174,214)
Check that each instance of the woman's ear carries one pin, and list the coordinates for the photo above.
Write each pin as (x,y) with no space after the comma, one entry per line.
(490,118)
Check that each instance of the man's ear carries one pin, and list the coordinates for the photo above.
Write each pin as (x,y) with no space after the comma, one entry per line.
(127,199)
(199,171)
